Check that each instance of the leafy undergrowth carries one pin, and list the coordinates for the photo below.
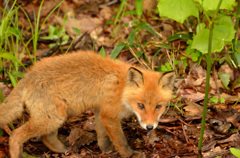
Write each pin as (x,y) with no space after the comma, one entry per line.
(91,26)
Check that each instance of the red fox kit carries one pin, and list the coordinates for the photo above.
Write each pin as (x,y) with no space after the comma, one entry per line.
(59,87)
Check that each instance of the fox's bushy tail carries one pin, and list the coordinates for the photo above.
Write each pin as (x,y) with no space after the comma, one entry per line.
(11,108)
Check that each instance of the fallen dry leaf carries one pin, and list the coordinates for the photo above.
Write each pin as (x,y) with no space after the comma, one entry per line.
(81,137)
(220,127)
(192,109)
(215,151)
(85,24)
(233,138)
(225,68)
(230,98)
(190,94)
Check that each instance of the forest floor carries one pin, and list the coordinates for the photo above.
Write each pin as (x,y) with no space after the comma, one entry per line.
(179,128)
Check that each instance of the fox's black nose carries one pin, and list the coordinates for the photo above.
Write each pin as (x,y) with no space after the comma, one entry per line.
(149,127)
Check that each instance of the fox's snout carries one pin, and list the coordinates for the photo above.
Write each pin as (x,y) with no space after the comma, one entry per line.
(147,126)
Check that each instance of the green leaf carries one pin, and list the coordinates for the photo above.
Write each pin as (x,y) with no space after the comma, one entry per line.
(117,50)
(12,79)
(165,45)
(11,57)
(179,10)
(140,53)
(195,55)
(109,22)
(200,27)
(17,74)
(3,26)
(224,30)
(148,28)
(212,4)
(178,36)
(123,3)
(76,30)
(237,57)
(200,41)
(139,7)
(235,152)
(131,37)
(132,12)
(26,155)
(102,52)
(236,83)
(1,96)
(184,60)
(165,68)
(13,31)
(222,33)
(222,100)
(225,78)
(214,99)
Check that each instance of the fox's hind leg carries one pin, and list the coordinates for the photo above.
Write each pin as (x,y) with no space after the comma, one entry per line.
(33,128)
(53,143)
(104,141)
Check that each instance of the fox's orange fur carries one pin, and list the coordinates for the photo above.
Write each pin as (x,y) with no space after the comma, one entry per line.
(58,87)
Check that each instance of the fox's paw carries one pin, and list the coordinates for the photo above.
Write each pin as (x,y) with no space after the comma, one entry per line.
(138,154)
(107,148)
(105,145)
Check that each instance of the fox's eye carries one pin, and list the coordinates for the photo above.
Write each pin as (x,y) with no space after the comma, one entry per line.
(158,107)
(140,106)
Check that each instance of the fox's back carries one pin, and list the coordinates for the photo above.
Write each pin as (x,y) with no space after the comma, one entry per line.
(82,78)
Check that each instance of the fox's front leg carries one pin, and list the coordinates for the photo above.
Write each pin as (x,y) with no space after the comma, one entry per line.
(115,132)
(104,141)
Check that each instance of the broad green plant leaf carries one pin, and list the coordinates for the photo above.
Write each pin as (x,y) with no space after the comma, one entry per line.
(235,152)
(225,29)
(222,33)
(225,78)
(178,10)
(200,27)
(212,4)
(117,50)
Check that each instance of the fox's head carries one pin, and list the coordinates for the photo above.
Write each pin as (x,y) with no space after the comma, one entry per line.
(147,94)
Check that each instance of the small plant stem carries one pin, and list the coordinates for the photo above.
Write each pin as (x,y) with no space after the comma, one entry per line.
(215,80)
(209,63)
(236,25)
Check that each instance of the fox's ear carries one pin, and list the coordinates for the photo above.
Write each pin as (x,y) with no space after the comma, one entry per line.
(166,80)
(134,77)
